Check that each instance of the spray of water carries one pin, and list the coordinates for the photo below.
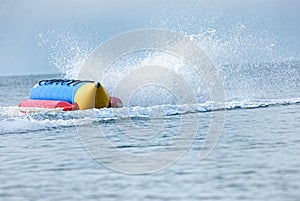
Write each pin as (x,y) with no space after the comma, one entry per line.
(249,54)
(68,48)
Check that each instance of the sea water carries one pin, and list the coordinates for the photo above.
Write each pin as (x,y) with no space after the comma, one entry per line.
(49,155)
(256,157)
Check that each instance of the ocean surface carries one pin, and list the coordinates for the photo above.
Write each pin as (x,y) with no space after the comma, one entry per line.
(257,157)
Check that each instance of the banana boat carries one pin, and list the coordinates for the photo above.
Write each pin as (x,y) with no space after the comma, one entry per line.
(69,95)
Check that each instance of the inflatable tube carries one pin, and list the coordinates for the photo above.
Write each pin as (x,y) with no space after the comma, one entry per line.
(115,102)
(28,105)
(81,94)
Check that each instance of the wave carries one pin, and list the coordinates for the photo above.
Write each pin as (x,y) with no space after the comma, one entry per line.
(13,121)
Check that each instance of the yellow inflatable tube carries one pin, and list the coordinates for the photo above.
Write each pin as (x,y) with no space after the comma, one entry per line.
(91,95)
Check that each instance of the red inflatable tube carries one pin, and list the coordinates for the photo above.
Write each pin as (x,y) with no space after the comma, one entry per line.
(65,106)
(48,104)
(115,102)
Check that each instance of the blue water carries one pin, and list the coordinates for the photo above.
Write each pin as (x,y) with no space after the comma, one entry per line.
(254,46)
(257,156)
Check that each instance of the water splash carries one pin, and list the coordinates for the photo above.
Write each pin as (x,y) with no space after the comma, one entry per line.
(228,39)
(150,95)
(68,48)
(248,51)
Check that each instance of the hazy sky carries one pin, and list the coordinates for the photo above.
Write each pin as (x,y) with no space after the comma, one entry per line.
(22,22)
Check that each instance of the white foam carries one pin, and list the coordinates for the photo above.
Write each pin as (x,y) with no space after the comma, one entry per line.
(13,121)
